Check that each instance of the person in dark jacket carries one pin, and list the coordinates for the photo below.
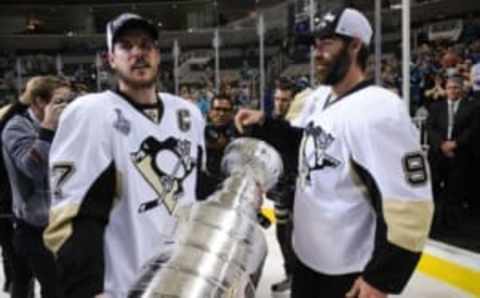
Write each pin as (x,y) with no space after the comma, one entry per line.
(219,132)
(282,194)
(450,130)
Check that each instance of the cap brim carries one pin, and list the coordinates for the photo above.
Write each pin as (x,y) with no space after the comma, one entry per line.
(324,33)
(136,24)
(309,37)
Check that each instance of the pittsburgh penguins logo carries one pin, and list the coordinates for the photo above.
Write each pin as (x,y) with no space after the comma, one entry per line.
(315,141)
(164,165)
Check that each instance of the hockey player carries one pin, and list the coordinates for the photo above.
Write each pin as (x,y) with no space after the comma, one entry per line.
(363,203)
(123,162)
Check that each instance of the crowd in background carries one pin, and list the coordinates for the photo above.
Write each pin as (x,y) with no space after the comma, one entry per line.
(444,83)
(433,63)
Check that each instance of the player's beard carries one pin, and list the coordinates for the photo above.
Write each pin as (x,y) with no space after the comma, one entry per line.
(128,80)
(337,69)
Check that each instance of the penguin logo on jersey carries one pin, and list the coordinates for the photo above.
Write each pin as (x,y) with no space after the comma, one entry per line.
(313,152)
(164,165)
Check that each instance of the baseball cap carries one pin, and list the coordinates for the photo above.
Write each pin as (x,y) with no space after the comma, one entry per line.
(344,21)
(125,21)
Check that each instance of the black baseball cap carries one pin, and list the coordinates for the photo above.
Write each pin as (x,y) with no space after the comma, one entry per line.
(344,21)
(127,21)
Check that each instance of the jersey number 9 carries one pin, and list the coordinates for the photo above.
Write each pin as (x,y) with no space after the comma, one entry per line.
(415,168)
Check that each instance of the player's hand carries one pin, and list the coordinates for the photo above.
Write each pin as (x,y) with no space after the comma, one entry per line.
(247,117)
(53,110)
(361,289)
(448,148)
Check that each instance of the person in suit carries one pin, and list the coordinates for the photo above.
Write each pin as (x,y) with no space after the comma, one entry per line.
(450,130)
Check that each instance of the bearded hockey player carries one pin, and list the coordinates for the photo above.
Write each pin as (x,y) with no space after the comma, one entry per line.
(363,202)
(122,163)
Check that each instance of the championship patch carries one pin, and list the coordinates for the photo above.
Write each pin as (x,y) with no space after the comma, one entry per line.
(121,123)
(184,120)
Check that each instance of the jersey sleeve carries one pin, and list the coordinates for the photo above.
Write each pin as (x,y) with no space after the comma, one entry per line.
(82,181)
(386,155)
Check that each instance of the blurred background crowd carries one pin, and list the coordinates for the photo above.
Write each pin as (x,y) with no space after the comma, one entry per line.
(66,41)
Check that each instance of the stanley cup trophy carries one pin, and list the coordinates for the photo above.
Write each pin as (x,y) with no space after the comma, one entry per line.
(220,247)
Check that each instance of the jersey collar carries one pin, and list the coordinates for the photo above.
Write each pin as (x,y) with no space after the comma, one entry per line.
(331,99)
(153,111)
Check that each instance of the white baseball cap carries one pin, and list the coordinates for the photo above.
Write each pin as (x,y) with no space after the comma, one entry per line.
(126,21)
(344,21)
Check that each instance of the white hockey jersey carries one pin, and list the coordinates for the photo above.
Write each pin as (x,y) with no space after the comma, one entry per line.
(361,165)
(309,105)
(119,172)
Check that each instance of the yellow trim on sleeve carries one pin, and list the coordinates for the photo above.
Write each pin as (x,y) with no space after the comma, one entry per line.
(408,222)
(60,227)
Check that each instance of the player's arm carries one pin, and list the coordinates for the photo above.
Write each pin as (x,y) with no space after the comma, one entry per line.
(386,155)
(278,133)
(82,181)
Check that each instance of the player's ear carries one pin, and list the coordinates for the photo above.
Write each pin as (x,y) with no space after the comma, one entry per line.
(355,45)
(111,59)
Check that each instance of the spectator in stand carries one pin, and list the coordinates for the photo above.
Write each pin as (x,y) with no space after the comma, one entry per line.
(200,100)
(474,52)
(449,126)
(80,88)
(449,62)
(26,142)
(416,77)
(475,81)
(219,133)
(437,92)
(210,90)
(184,92)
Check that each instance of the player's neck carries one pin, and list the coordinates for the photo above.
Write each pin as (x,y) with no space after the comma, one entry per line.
(140,95)
(352,78)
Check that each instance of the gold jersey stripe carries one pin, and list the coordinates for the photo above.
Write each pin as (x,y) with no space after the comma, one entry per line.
(59,228)
(408,222)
